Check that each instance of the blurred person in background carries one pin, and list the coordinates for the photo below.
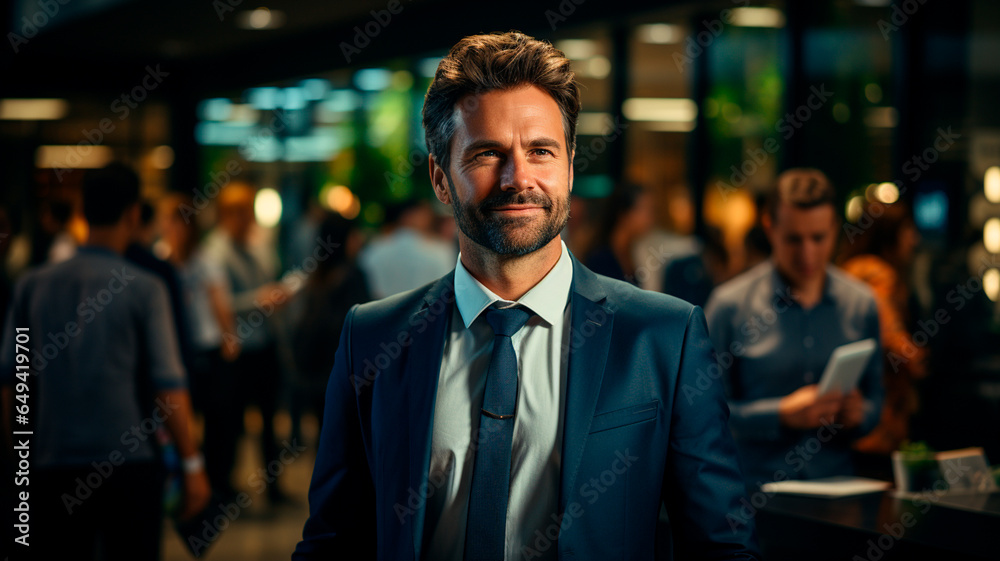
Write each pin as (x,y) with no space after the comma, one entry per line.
(407,253)
(879,251)
(254,297)
(756,247)
(693,277)
(673,240)
(107,365)
(774,328)
(204,293)
(56,215)
(332,289)
(628,217)
(140,252)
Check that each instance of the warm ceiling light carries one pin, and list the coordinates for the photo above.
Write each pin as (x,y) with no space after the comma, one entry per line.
(162,157)
(33,109)
(758,17)
(577,49)
(887,193)
(855,208)
(991,235)
(991,284)
(991,184)
(674,110)
(72,156)
(267,207)
(260,18)
(660,33)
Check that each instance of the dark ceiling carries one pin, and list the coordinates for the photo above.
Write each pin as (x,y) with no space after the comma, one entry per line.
(200,44)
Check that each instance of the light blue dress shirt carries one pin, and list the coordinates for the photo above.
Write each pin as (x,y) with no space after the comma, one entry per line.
(542,351)
(768,346)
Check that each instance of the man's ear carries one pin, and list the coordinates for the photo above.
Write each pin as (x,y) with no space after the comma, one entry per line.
(133,218)
(572,155)
(768,224)
(439,180)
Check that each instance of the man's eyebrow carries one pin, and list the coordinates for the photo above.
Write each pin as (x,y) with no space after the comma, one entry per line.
(484,144)
(487,144)
(544,141)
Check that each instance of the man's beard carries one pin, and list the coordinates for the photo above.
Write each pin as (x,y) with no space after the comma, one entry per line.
(511,235)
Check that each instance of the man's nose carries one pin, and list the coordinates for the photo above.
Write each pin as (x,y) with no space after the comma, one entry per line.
(516,174)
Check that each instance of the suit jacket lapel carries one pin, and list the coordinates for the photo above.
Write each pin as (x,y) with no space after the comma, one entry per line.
(422,373)
(590,338)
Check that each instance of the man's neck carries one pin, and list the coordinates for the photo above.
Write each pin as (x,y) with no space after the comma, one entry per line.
(509,277)
(108,237)
(807,293)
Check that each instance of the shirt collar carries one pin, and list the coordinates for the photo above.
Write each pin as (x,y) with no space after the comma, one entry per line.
(547,299)
(98,250)
(783,290)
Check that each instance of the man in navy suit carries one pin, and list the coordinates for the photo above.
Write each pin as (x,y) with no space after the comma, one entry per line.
(521,407)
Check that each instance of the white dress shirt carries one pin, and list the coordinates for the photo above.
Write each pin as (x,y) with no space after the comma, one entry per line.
(536,451)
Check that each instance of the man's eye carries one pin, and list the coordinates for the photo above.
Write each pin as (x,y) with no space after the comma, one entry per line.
(488,154)
(543,152)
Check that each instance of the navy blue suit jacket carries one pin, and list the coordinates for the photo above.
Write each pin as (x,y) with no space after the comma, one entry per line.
(644,425)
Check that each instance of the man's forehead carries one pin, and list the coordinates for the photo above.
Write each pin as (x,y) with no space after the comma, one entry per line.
(526,99)
(811,219)
(529,109)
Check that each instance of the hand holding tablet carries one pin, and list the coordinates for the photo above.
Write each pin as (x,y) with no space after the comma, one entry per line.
(845,366)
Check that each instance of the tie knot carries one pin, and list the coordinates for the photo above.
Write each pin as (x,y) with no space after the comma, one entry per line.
(506,321)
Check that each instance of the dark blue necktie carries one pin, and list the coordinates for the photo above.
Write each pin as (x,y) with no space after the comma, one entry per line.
(485,529)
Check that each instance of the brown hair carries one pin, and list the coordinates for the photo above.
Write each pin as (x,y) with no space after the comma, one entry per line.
(878,233)
(499,61)
(801,188)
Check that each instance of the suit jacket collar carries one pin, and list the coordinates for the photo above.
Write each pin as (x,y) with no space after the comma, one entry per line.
(422,375)
(591,319)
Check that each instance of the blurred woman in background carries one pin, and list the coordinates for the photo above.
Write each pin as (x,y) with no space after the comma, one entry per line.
(878,250)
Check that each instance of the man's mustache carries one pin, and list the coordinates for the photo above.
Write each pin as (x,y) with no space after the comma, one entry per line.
(507,198)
